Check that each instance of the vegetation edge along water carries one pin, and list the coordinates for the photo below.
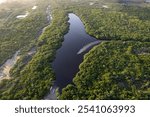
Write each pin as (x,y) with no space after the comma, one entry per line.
(122,71)
(36,78)
(125,66)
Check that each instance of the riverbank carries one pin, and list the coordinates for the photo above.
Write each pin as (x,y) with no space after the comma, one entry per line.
(26,57)
(8,65)
(113,69)
(66,63)
(36,78)
(70,55)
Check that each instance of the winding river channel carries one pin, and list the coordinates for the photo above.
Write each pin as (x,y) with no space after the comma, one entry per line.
(68,58)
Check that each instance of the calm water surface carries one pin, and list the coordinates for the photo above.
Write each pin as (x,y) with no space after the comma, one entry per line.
(67,61)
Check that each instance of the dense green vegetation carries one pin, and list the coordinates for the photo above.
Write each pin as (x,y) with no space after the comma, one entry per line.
(36,78)
(113,70)
(117,69)
(115,25)
(17,33)
(119,23)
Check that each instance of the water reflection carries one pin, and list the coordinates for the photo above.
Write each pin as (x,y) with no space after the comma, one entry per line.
(67,61)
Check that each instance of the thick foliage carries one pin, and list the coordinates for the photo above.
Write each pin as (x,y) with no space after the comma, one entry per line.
(36,78)
(113,70)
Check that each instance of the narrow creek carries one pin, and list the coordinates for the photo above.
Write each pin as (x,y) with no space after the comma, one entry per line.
(33,50)
(10,63)
(68,58)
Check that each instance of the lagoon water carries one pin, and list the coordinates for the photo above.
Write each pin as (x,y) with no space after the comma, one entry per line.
(68,58)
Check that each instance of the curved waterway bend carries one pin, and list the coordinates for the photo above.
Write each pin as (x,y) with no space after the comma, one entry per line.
(68,58)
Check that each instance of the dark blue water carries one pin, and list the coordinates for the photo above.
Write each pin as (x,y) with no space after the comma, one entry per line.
(67,61)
